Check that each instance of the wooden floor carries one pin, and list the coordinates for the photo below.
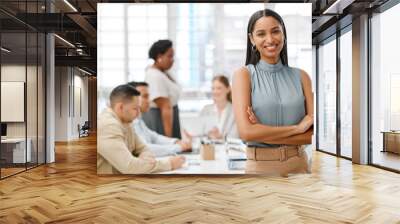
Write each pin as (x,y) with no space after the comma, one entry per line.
(5,172)
(387,159)
(10,171)
(69,191)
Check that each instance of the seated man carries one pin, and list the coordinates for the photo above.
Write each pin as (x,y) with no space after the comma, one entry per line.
(119,149)
(160,145)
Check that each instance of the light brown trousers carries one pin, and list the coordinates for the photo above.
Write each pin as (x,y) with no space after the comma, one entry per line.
(282,161)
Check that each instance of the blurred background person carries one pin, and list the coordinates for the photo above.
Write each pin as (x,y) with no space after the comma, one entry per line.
(160,145)
(217,118)
(163,116)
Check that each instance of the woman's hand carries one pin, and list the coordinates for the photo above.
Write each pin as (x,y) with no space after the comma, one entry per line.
(187,136)
(214,133)
(186,146)
(252,117)
(305,124)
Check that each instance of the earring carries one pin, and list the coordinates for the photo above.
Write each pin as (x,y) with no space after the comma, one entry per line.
(253,48)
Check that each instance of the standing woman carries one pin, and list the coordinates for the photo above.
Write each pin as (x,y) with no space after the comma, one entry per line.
(218,120)
(273,103)
(163,116)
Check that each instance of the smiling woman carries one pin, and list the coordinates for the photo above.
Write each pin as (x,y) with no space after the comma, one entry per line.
(273,103)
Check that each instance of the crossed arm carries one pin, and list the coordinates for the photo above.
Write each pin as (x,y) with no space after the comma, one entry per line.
(250,130)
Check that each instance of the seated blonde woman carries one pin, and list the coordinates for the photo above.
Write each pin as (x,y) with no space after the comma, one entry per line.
(217,118)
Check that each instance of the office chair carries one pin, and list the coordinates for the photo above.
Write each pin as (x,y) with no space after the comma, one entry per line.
(84,130)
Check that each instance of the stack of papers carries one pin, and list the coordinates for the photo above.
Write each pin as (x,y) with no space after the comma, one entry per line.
(236,155)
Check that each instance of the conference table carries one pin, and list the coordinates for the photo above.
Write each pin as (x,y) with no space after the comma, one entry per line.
(230,158)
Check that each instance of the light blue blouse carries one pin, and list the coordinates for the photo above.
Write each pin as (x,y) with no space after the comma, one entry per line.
(277,95)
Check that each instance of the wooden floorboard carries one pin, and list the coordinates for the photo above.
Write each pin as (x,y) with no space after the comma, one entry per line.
(69,191)
(386,159)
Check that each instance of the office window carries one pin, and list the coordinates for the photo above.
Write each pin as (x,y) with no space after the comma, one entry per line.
(327,97)
(146,24)
(385,86)
(111,53)
(125,34)
(346,94)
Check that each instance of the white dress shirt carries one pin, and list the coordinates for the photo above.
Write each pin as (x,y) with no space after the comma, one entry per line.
(161,86)
(160,145)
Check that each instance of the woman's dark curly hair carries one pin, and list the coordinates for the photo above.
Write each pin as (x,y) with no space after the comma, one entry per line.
(159,47)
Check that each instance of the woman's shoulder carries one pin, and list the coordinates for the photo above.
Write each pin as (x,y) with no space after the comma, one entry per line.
(300,73)
(291,69)
(207,109)
(154,73)
(294,70)
(229,106)
(244,71)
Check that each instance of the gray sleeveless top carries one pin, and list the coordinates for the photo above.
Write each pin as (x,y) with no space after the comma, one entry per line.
(276,95)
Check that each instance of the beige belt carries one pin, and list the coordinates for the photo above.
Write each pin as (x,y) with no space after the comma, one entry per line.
(282,153)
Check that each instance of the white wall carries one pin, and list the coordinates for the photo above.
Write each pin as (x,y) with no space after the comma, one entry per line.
(80,108)
(61,103)
(33,126)
(16,73)
(71,102)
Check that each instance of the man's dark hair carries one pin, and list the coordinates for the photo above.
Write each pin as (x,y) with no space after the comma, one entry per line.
(138,84)
(122,93)
(159,47)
